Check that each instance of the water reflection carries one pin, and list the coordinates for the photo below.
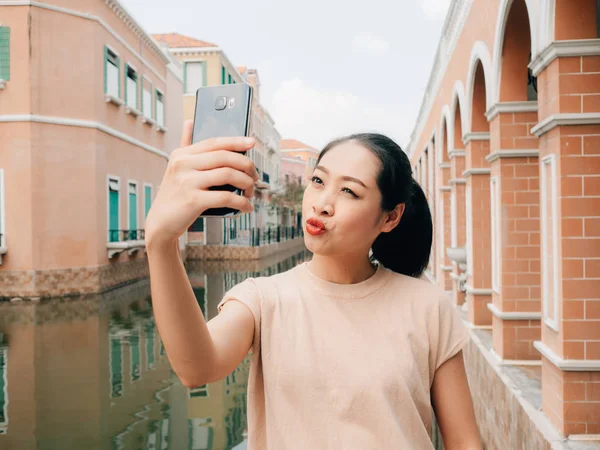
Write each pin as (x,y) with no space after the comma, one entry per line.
(91,372)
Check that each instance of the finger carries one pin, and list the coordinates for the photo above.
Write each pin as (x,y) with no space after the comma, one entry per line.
(249,193)
(225,199)
(186,135)
(236,144)
(221,158)
(222,176)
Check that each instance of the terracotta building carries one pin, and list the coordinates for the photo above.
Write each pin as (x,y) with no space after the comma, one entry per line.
(87,120)
(297,161)
(506,146)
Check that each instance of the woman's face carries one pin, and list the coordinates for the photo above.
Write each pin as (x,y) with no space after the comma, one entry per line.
(343,195)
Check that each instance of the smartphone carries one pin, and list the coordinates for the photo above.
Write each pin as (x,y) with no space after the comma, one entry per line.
(222,111)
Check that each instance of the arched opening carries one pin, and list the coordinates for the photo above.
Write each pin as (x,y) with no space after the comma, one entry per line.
(516,80)
(576,19)
(479,122)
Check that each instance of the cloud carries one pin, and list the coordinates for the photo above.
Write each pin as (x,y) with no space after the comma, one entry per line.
(366,42)
(435,9)
(316,117)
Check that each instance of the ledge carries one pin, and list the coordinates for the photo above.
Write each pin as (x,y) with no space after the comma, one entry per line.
(2,252)
(568,365)
(445,189)
(476,171)
(114,248)
(510,108)
(513,315)
(457,181)
(148,121)
(160,128)
(476,136)
(557,49)
(573,119)
(477,291)
(445,165)
(512,154)
(112,99)
(457,153)
(133,111)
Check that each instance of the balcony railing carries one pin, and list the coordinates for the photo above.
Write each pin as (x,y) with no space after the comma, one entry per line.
(125,240)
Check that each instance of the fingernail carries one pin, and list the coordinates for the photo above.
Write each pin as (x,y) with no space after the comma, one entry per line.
(249,140)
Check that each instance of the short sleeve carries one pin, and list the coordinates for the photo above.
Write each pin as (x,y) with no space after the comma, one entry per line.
(248,294)
(452,334)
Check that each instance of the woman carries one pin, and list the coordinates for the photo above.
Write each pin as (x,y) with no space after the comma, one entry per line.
(348,351)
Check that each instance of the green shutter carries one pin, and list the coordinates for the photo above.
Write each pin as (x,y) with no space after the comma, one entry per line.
(5,53)
(223,78)
(133,211)
(134,349)
(105,70)
(150,353)
(147,199)
(126,77)
(113,215)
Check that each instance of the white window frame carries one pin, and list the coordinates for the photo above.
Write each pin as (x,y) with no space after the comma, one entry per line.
(158,91)
(4,374)
(144,205)
(2,211)
(204,74)
(137,209)
(110,178)
(137,93)
(469,212)
(118,95)
(495,228)
(552,322)
(144,79)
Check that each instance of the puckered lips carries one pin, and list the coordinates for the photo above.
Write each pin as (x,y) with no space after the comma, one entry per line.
(315,226)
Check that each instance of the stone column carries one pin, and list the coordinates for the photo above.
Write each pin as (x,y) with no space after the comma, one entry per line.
(479,259)
(569,167)
(458,220)
(515,230)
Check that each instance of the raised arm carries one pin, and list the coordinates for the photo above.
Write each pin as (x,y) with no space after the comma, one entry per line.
(199,352)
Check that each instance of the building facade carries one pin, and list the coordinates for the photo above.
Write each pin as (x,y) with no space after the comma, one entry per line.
(506,149)
(206,64)
(85,120)
(298,161)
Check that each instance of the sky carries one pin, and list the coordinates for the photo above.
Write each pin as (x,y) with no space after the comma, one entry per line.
(328,68)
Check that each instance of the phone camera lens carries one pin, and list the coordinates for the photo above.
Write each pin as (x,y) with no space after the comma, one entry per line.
(220,103)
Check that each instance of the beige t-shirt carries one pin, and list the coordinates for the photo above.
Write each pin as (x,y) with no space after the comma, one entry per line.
(345,366)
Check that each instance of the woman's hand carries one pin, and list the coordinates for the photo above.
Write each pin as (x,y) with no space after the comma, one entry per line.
(183,193)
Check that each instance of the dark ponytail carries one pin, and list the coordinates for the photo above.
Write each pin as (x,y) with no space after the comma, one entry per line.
(407,248)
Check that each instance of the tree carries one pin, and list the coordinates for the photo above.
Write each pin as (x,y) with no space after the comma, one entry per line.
(289,196)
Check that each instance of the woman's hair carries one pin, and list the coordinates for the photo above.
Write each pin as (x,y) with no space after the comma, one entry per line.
(405,249)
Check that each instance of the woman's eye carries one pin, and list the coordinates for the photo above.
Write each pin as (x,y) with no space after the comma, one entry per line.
(350,192)
(314,179)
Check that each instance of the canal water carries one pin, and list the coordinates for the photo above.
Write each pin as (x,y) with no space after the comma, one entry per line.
(91,372)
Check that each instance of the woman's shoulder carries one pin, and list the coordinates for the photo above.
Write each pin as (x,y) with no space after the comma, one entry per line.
(420,289)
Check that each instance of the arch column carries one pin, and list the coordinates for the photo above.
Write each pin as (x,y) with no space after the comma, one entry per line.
(443,226)
(458,220)
(515,228)
(479,258)
(569,167)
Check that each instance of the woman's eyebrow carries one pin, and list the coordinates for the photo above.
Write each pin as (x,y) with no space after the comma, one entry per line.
(347,178)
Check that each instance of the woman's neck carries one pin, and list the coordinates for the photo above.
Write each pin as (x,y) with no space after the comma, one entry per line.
(346,271)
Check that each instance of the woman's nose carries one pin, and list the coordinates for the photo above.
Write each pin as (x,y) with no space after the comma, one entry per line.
(323,205)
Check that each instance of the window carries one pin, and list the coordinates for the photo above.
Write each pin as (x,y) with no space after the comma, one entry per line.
(201,434)
(147,199)
(549,241)
(4,53)
(134,355)
(223,75)
(132,211)
(230,79)
(146,98)
(150,348)
(116,367)
(131,87)
(494,206)
(195,76)
(201,391)
(160,108)
(3,389)
(197,226)
(112,76)
(113,210)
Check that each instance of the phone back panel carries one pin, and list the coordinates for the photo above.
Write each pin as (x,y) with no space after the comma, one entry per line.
(210,122)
